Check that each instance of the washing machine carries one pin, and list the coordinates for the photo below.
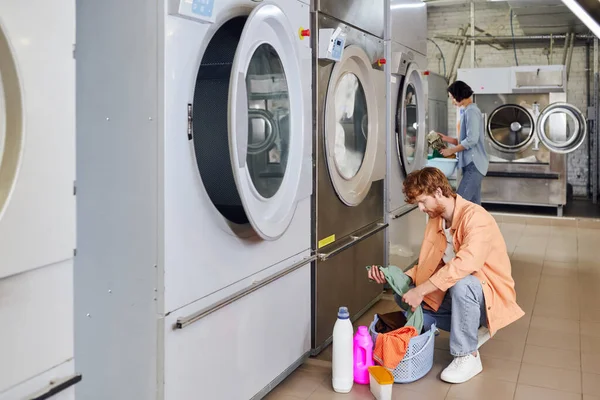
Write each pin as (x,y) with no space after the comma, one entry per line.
(407,125)
(349,85)
(37,203)
(206,246)
(530,128)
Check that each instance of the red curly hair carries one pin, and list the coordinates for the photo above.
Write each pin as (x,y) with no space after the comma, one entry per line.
(426,181)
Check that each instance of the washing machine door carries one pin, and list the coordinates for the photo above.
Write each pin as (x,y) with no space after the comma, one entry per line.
(11,122)
(267,122)
(562,127)
(352,127)
(510,128)
(411,114)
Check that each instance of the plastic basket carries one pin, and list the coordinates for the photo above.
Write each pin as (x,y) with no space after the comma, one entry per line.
(418,360)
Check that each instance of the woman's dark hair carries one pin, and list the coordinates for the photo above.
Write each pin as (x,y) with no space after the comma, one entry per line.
(460,91)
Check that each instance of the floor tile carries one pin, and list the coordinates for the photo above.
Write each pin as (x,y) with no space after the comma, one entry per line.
(553,268)
(590,363)
(526,392)
(590,329)
(515,332)
(591,315)
(400,392)
(550,378)
(590,345)
(554,340)
(590,397)
(496,368)
(567,359)
(591,384)
(555,325)
(325,392)
(431,384)
(557,310)
(564,221)
(524,268)
(588,223)
(276,396)
(528,254)
(503,350)
(299,384)
(479,388)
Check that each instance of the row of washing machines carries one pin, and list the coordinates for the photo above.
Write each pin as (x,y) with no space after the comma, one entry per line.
(199,185)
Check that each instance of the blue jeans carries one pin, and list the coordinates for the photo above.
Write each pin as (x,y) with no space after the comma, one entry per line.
(462,313)
(470,184)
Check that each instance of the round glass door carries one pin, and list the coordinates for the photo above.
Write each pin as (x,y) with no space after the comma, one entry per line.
(352,125)
(269,121)
(11,121)
(410,127)
(248,121)
(562,128)
(410,121)
(510,128)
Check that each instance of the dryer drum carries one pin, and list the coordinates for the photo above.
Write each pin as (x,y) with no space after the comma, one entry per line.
(510,127)
(210,116)
(268,121)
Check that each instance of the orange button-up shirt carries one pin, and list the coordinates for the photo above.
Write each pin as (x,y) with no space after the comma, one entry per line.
(480,251)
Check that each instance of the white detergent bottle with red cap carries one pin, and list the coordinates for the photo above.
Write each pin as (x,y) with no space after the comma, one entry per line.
(343,359)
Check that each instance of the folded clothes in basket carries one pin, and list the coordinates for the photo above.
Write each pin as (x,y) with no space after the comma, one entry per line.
(390,322)
(390,348)
(400,282)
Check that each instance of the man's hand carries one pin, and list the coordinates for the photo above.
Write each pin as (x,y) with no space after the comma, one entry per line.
(413,298)
(376,275)
(448,152)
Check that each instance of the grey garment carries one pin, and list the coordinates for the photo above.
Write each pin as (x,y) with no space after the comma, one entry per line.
(472,137)
(462,313)
(470,184)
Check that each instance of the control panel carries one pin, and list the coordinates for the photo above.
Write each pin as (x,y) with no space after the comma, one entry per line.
(200,10)
(331,44)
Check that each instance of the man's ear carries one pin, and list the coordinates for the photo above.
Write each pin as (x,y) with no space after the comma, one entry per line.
(439,193)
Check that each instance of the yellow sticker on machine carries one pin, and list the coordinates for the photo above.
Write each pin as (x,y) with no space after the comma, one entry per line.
(326,241)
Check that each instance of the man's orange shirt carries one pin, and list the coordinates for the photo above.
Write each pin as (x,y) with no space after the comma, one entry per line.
(480,251)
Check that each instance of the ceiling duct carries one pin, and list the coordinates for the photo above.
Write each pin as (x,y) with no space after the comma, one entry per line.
(539,17)
(588,12)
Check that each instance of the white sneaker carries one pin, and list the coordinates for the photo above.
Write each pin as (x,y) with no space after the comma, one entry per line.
(462,369)
(483,335)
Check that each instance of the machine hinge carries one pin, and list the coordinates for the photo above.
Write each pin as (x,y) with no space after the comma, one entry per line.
(74,188)
(74,48)
(591,113)
(74,252)
(190,122)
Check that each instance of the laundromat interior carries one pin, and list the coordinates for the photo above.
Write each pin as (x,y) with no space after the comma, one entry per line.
(192,193)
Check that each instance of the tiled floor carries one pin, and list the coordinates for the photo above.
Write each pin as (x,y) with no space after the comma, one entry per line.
(553,353)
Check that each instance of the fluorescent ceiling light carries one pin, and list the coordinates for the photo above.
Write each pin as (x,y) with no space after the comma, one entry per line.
(583,16)
(410,5)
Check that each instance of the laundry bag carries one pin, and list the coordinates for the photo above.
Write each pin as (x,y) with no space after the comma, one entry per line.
(418,359)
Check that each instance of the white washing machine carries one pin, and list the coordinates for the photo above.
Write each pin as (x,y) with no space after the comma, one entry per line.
(37,203)
(407,124)
(208,129)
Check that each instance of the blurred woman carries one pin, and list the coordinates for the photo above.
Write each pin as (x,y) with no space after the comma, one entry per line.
(470,147)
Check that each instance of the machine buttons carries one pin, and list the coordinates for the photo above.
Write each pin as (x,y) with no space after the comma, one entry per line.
(203,8)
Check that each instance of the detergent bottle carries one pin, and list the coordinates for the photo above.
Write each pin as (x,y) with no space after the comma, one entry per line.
(363,355)
(342,373)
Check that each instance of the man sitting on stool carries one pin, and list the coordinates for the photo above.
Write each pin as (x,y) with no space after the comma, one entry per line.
(463,277)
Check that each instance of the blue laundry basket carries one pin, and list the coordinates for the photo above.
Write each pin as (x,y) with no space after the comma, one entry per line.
(418,360)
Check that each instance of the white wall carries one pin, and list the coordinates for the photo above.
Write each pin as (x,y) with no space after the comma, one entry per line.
(494,18)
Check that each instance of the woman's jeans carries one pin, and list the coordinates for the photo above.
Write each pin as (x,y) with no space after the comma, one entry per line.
(462,313)
(470,184)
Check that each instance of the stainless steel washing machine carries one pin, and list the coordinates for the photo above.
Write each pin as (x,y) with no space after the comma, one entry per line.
(530,129)
(350,105)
